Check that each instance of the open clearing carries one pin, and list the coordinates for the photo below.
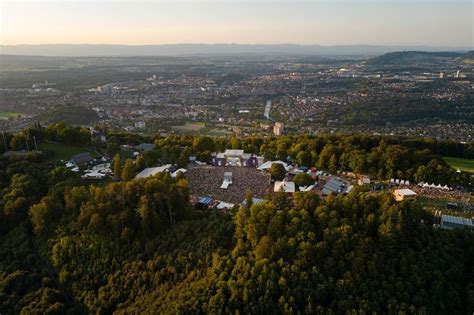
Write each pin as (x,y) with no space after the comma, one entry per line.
(7,114)
(465,165)
(189,127)
(62,151)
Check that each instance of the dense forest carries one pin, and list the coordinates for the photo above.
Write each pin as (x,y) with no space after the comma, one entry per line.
(132,246)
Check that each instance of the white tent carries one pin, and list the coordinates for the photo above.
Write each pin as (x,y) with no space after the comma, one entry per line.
(93,175)
(288,187)
(150,171)
(175,173)
(267,165)
(225,205)
(225,184)
(306,188)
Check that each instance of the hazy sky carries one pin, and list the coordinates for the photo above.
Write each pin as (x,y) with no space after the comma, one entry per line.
(326,22)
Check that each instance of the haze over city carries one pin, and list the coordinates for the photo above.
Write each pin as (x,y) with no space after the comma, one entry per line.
(386,22)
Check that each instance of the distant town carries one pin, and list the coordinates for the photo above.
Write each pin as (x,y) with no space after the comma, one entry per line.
(418,94)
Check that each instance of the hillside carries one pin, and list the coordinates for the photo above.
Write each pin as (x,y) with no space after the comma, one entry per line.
(70,245)
(403,58)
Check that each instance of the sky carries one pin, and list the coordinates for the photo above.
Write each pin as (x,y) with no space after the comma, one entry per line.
(324,22)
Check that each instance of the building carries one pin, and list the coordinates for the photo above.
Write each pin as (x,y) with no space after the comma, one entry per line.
(449,222)
(150,171)
(140,125)
(81,158)
(227,180)
(333,186)
(404,194)
(364,180)
(236,158)
(98,136)
(288,187)
(278,129)
(42,85)
(145,147)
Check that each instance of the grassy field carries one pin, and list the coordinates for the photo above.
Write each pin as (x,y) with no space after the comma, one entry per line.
(5,114)
(469,61)
(63,151)
(189,127)
(463,164)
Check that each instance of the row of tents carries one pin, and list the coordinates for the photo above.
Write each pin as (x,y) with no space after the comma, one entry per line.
(439,186)
(397,181)
(421,184)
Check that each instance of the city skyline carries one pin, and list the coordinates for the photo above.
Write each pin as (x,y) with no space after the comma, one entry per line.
(421,22)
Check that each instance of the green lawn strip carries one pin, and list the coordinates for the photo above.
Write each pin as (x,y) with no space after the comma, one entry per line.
(63,151)
(465,165)
(7,114)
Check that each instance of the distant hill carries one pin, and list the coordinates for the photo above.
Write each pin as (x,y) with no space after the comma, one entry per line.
(413,57)
(209,49)
(469,54)
(468,57)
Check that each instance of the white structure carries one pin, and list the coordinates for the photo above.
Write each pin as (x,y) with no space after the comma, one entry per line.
(233,157)
(304,188)
(150,171)
(288,187)
(267,165)
(278,129)
(175,173)
(224,205)
(93,175)
(426,185)
(449,222)
(140,125)
(227,180)
(404,194)
(364,181)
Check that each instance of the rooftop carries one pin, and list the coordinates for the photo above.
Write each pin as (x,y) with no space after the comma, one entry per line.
(457,220)
(234,152)
(405,192)
(150,171)
(288,187)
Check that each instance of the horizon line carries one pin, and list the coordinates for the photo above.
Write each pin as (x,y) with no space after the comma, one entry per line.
(244,44)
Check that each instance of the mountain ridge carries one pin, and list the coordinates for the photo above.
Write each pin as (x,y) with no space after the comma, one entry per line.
(76,50)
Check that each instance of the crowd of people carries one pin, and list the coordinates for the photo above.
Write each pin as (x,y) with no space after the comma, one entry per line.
(454,195)
(207,181)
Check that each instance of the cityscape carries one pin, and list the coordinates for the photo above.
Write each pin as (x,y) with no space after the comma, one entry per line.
(248,95)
